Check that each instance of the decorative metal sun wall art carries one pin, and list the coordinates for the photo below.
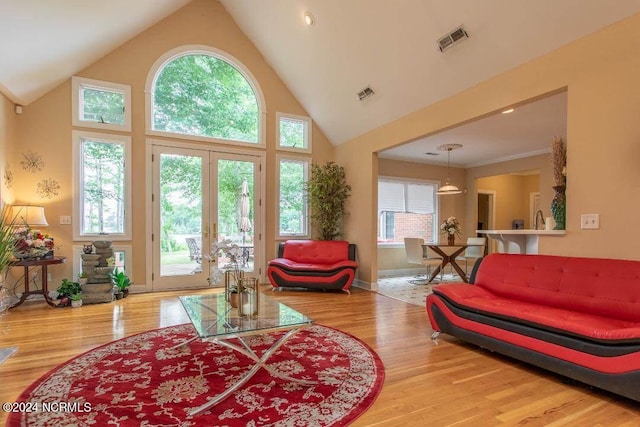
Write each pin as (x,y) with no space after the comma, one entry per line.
(8,177)
(48,188)
(32,162)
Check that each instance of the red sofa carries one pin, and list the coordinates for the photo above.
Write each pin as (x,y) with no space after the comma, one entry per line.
(579,317)
(315,264)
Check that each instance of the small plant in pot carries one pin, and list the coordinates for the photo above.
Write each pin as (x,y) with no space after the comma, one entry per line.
(65,290)
(121,283)
(76,300)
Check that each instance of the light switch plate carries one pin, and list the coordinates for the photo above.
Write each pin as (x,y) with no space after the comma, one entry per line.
(590,221)
(64,219)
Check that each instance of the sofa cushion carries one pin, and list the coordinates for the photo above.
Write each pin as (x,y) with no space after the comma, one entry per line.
(595,286)
(589,325)
(316,251)
(288,264)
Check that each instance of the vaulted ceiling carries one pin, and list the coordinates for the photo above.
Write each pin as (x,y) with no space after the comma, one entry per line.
(390,46)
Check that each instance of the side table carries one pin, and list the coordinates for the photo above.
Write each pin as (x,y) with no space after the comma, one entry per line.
(43,263)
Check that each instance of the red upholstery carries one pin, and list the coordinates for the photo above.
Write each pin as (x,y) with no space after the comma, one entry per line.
(321,264)
(576,316)
(604,287)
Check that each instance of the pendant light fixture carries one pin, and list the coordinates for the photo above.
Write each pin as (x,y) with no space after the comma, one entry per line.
(448,188)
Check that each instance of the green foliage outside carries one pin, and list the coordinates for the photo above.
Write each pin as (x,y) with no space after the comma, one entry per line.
(328,191)
(203,95)
(292,197)
(103,184)
(103,106)
(291,133)
(180,198)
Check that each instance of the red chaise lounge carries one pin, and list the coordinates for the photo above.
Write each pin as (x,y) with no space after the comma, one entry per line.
(316,264)
(579,317)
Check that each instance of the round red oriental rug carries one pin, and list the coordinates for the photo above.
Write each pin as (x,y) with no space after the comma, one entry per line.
(139,381)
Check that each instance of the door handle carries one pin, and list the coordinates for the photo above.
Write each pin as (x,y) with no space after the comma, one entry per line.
(215,231)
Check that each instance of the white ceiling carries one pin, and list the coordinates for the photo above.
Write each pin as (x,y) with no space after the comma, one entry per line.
(44,42)
(527,131)
(389,45)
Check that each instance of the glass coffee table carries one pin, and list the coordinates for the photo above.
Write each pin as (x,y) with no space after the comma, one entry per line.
(215,320)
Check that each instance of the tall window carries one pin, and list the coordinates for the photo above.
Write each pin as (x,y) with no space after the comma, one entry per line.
(203,95)
(293,132)
(102,183)
(293,216)
(406,209)
(100,104)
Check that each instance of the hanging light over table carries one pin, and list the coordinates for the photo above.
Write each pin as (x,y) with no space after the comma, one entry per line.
(448,188)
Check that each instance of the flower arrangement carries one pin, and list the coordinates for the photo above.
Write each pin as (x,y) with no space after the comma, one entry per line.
(229,250)
(450,227)
(31,243)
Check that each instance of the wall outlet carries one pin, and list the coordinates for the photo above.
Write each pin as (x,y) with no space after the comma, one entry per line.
(65,219)
(590,221)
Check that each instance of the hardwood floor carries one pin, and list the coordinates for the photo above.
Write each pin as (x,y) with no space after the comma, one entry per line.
(450,383)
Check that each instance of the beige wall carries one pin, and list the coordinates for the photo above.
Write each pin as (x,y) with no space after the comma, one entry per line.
(603,132)
(45,127)
(512,197)
(7,140)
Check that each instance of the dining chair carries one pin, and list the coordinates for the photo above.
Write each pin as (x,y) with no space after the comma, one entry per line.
(472,253)
(418,254)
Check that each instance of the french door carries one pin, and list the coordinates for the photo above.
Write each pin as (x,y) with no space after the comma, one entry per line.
(201,197)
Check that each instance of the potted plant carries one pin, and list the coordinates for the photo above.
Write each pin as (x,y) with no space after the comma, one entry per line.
(66,289)
(76,299)
(122,282)
(327,191)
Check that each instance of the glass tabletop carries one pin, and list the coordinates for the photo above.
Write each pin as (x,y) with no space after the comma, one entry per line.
(213,316)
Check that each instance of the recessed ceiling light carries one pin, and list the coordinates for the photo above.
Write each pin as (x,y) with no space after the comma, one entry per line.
(510,110)
(309,19)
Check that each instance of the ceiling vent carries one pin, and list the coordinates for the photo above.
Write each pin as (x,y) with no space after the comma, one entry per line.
(365,93)
(454,37)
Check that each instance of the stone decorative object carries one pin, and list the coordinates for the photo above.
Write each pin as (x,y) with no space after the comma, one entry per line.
(98,288)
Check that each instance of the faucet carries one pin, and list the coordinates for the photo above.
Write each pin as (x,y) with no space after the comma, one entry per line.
(539,220)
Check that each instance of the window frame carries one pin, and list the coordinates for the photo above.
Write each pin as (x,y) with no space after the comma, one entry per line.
(308,124)
(78,137)
(405,182)
(307,171)
(178,52)
(78,83)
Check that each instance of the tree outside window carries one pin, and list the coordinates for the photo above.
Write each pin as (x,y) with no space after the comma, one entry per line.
(103,187)
(201,95)
(293,218)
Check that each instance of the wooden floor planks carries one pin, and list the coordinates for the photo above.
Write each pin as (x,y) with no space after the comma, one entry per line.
(448,384)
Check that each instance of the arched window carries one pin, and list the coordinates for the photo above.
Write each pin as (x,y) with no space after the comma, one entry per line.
(202,93)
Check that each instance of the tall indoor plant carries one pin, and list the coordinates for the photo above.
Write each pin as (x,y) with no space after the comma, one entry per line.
(327,192)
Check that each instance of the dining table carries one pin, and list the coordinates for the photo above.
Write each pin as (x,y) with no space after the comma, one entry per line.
(449,253)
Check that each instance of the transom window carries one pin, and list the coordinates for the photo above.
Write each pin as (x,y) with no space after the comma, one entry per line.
(203,95)
(406,208)
(293,132)
(100,104)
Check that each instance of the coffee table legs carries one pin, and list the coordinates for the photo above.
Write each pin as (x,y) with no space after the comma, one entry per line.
(260,363)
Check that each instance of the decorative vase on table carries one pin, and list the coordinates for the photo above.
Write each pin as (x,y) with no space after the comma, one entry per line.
(451,239)
(559,207)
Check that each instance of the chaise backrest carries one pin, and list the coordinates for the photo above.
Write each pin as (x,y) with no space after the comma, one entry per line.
(317,251)
(607,287)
